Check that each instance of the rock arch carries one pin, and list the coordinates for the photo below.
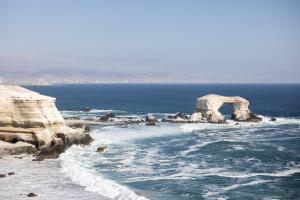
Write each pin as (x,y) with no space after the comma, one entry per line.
(209,106)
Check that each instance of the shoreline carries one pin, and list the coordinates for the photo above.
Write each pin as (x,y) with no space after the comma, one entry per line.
(44,178)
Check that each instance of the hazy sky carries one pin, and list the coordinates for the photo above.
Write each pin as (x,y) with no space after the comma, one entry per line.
(217,41)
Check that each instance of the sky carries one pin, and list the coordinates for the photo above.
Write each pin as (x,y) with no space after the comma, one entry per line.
(255,41)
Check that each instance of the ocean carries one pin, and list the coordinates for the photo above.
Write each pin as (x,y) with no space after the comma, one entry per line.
(183,161)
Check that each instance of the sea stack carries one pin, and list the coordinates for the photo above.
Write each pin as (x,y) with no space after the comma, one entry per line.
(32,120)
(208,108)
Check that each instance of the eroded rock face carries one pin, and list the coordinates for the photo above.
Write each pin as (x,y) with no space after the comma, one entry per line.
(30,117)
(209,106)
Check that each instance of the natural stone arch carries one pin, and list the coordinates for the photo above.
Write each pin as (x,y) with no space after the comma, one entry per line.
(209,106)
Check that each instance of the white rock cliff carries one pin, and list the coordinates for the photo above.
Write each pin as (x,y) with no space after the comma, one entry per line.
(27,116)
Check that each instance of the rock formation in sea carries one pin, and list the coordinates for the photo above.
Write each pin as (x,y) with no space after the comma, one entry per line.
(208,107)
(29,118)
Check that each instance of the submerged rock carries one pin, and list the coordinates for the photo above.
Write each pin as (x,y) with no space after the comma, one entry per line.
(273,119)
(105,118)
(101,149)
(150,124)
(87,109)
(178,115)
(31,194)
(2,175)
(151,118)
(11,173)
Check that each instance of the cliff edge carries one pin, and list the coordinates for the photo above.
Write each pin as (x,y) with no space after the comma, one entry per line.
(32,120)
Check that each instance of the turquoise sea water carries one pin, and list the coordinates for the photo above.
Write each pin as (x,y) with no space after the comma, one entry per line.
(184,161)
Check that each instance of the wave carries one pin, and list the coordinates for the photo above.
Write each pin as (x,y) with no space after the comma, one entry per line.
(89,179)
(284,173)
(232,124)
(235,186)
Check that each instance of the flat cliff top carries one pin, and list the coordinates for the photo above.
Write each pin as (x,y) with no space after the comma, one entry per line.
(17,92)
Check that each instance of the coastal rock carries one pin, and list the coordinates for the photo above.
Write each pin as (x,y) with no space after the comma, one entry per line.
(87,109)
(105,118)
(31,194)
(151,124)
(101,149)
(177,118)
(151,118)
(273,119)
(209,106)
(29,120)
(196,117)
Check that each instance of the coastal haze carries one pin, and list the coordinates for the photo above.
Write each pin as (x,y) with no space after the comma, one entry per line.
(55,42)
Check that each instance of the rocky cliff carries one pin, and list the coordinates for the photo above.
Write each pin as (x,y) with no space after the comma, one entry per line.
(27,116)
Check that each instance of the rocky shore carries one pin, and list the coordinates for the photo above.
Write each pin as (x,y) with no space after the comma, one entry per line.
(206,111)
(30,123)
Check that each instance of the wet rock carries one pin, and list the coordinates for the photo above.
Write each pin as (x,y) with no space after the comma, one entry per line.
(177,118)
(110,115)
(76,118)
(101,149)
(178,115)
(87,109)
(151,124)
(254,118)
(87,129)
(151,118)
(31,194)
(105,118)
(2,175)
(51,151)
(273,119)
(11,173)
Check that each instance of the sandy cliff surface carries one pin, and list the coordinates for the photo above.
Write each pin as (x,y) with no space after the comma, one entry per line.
(29,117)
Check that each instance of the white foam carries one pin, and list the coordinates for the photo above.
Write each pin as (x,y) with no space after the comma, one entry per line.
(284,173)
(232,124)
(235,186)
(119,135)
(94,182)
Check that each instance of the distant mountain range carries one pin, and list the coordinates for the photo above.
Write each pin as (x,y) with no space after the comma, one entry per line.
(89,75)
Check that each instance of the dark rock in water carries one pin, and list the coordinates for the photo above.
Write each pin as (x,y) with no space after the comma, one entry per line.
(110,115)
(254,118)
(76,118)
(150,118)
(87,129)
(105,117)
(31,194)
(237,123)
(51,152)
(273,119)
(151,124)
(101,149)
(177,118)
(178,115)
(11,173)
(2,175)
(87,109)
